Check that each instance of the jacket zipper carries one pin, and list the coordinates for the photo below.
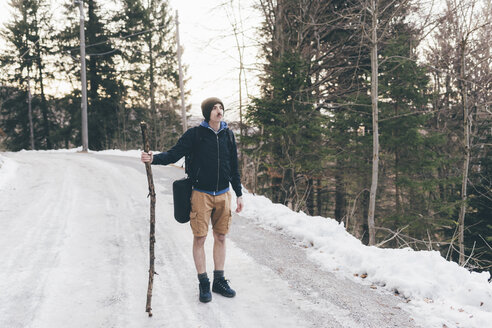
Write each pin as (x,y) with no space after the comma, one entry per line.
(197,175)
(218,163)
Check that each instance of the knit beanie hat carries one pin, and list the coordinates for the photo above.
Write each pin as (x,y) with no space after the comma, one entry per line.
(207,106)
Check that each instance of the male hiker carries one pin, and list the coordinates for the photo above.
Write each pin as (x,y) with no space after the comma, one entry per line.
(213,166)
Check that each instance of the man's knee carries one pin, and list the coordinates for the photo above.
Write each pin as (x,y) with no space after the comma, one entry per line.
(199,241)
(220,237)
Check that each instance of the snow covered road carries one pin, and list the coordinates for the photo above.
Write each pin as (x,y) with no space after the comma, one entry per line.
(74,253)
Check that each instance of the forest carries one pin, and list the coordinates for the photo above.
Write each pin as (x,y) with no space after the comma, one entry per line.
(376,113)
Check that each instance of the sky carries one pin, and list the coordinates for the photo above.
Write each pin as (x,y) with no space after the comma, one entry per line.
(210,51)
(102,232)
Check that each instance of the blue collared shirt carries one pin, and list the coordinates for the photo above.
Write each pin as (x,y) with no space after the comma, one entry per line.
(213,193)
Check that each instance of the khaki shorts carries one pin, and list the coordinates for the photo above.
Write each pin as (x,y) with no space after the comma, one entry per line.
(205,207)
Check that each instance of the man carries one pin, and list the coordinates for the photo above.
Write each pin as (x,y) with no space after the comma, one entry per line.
(214,165)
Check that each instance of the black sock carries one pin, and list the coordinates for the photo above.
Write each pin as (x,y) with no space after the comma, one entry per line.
(218,274)
(202,276)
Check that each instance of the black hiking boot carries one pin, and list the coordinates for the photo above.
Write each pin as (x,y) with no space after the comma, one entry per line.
(221,286)
(205,294)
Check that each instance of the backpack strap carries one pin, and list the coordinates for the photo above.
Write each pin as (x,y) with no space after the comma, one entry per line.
(197,138)
(232,144)
(231,139)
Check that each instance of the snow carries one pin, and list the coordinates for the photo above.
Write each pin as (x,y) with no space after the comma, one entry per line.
(439,291)
(436,292)
(132,153)
(74,249)
(7,170)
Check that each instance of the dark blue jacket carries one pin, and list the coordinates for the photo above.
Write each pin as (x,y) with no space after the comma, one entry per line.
(214,162)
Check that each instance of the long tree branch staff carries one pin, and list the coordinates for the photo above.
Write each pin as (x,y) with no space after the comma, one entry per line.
(214,165)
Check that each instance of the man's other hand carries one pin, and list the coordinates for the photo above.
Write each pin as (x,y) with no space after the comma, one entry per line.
(240,204)
(146,157)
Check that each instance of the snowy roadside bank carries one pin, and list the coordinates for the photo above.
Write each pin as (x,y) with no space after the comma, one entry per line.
(438,292)
(7,169)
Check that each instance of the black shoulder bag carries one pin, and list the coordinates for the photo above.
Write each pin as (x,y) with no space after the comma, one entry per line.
(182,188)
(182,199)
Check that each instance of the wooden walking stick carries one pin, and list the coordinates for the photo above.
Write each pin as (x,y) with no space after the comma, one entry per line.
(150,179)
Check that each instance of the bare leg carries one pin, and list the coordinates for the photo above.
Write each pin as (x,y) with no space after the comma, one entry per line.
(219,250)
(199,254)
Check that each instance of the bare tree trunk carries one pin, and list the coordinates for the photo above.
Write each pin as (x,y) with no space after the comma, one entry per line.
(240,51)
(181,87)
(397,170)
(466,164)
(340,193)
(150,180)
(375,132)
(310,197)
(279,23)
(153,112)
(29,108)
(44,103)
(319,198)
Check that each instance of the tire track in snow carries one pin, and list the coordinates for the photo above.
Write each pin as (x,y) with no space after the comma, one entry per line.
(29,248)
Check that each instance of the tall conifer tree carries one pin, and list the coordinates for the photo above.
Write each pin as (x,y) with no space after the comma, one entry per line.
(150,54)
(27,33)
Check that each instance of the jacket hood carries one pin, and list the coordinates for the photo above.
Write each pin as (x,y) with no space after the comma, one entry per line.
(223,125)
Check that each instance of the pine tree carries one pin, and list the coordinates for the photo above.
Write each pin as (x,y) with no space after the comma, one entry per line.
(461,79)
(288,147)
(14,119)
(27,32)
(408,145)
(292,126)
(149,51)
(105,88)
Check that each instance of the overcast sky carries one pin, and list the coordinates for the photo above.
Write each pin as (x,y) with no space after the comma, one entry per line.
(210,48)
(210,51)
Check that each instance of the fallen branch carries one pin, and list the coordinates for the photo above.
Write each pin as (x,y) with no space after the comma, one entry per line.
(486,243)
(407,240)
(469,257)
(430,241)
(150,179)
(451,243)
(395,234)
(352,212)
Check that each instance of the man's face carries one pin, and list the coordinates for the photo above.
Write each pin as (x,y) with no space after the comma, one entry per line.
(217,113)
